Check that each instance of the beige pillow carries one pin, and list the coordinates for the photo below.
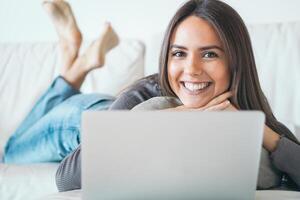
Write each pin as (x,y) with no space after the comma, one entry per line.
(158,103)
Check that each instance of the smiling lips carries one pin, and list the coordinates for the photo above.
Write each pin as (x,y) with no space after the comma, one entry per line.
(195,88)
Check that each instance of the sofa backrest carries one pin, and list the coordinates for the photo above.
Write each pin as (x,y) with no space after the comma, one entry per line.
(27,69)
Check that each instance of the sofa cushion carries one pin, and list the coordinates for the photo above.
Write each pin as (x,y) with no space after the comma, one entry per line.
(259,195)
(28,182)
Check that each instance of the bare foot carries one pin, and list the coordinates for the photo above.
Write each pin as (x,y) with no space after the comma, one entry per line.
(70,37)
(93,57)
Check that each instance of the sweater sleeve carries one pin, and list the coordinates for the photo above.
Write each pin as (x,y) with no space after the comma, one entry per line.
(68,175)
(286,158)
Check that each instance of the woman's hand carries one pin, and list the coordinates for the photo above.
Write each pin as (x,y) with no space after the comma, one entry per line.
(270,139)
(219,103)
(231,107)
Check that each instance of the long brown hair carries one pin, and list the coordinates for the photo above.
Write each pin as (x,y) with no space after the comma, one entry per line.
(247,93)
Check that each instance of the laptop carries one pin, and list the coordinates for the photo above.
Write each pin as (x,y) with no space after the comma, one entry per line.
(159,155)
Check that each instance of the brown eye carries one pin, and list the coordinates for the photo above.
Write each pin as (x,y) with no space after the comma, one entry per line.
(210,54)
(178,54)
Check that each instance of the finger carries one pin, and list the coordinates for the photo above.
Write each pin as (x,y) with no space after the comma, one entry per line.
(218,107)
(180,108)
(219,99)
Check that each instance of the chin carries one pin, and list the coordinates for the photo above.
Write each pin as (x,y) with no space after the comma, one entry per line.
(195,99)
(192,103)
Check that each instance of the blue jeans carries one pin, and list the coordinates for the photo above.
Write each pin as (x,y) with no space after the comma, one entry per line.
(51,130)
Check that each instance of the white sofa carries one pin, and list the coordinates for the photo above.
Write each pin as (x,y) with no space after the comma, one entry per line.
(260,195)
(27,69)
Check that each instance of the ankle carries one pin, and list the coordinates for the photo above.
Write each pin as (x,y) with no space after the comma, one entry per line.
(74,79)
(76,74)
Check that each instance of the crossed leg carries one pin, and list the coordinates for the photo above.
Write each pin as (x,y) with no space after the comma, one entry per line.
(69,35)
(75,67)
(52,129)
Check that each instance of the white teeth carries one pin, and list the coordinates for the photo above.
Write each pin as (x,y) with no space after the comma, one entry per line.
(195,87)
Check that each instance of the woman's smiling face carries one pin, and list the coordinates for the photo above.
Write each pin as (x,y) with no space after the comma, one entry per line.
(197,66)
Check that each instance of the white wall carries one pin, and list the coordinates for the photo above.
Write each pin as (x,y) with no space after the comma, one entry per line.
(26,20)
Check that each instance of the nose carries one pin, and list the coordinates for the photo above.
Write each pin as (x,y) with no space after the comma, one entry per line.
(193,65)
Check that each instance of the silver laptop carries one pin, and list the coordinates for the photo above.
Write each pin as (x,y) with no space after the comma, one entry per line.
(163,155)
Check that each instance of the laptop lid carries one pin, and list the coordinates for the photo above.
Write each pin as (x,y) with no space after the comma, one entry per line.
(170,155)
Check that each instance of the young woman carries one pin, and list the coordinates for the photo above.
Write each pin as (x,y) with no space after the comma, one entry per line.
(207,63)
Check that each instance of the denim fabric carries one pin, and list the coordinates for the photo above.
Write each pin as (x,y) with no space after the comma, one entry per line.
(52,129)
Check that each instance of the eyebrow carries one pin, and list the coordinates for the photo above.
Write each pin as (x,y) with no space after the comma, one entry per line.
(201,48)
